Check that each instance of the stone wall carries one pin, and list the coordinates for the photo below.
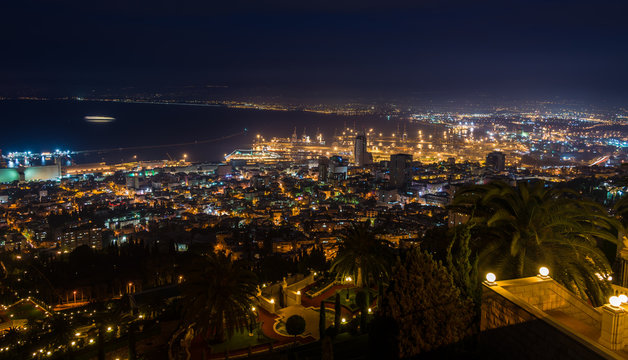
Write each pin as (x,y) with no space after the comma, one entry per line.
(498,312)
(267,304)
(299,285)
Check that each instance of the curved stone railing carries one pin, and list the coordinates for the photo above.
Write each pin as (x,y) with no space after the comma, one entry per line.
(269,305)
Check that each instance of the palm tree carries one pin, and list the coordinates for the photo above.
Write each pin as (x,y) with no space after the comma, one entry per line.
(218,295)
(12,335)
(621,211)
(529,226)
(621,252)
(62,331)
(362,256)
(112,314)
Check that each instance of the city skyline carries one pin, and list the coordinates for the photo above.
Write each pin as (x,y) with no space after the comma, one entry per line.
(277,180)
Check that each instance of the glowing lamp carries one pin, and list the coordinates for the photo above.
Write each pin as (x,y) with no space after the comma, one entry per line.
(623,298)
(543,271)
(272,301)
(490,278)
(298,292)
(253,308)
(615,301)
(344,320)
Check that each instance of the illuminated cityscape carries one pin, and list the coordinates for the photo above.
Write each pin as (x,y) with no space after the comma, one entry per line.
(528,141)
(335,180)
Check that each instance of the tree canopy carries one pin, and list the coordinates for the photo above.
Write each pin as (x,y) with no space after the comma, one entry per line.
(422,309)
(362,256)
(218,296)
(527,226)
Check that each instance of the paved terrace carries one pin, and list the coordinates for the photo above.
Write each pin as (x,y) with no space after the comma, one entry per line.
(539,318)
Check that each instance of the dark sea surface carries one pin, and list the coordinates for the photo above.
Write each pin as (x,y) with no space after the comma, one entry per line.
(37,126)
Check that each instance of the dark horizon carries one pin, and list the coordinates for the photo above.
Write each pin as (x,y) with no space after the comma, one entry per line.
(532,50)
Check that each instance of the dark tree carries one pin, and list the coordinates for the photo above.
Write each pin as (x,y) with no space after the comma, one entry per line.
(422,307)
(463,265)
(217,296)
(101,341)
(361,300)
(337,313)
(322,321)
(362,256)
(531,225)
(132,341)
(295,325)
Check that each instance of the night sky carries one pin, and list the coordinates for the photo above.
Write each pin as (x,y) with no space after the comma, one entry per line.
(528,49)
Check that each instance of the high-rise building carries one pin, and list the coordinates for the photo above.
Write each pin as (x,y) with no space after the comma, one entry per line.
(359,150)
(323,169)
(400,169)
(3,163)
(496,160)
(337,168)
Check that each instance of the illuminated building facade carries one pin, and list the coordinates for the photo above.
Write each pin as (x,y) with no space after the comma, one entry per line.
(73,238)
